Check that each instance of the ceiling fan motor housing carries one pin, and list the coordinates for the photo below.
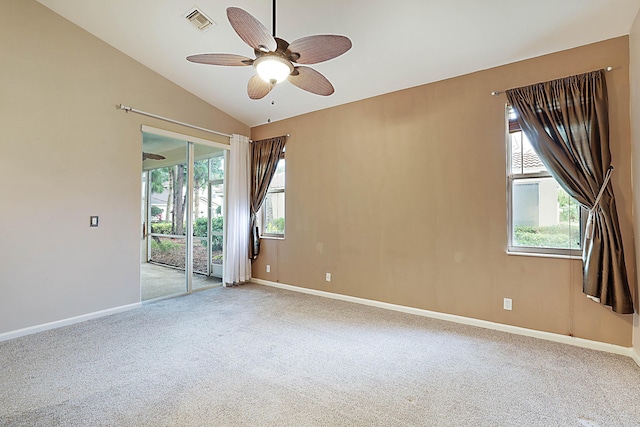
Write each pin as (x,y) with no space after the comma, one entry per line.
(273,66)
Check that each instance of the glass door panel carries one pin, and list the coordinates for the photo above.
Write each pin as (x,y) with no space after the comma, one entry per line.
(143,218)
(217,229)
(208,216)
(165,163)
(200,217)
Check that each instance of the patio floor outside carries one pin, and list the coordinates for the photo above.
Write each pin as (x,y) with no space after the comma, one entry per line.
(160,281)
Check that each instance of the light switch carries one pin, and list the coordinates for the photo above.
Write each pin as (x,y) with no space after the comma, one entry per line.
(94,221)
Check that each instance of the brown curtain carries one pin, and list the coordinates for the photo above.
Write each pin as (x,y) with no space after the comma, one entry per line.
(265,155)
(567,123)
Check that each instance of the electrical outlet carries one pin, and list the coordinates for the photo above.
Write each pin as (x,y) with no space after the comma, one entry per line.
(268,268)
(508,304)
(328,277)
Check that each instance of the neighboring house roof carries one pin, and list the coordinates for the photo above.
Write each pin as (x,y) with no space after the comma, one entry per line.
(277,181)
(158,200)
(529,158)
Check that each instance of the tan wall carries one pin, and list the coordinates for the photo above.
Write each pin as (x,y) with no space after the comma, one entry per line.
(634,73)
(66,153)
(402,197)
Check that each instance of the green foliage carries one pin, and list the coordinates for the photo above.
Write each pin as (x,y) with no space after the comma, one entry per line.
(276,226)
(155,211)
(217,223)
(163,246)
(158,179)
(216,226)
(200,230)
(569,208)
(161,228)
(216,167)
(200,173)
(563,236)
(200,227)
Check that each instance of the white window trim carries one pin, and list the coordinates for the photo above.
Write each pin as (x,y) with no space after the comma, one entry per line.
(261,213)
(532,250)
(263,233)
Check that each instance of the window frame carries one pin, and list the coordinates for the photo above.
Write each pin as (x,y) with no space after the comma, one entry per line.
(262,212)
(512,127)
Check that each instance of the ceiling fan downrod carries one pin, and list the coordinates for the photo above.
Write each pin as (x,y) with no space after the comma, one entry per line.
(274,18)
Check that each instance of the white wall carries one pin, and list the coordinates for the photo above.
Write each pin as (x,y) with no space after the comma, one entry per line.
(63,140)
(549,209)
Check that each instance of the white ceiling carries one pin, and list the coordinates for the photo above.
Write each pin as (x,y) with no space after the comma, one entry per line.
(396,43)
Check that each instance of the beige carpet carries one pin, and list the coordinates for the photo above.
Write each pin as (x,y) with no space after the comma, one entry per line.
(258,356)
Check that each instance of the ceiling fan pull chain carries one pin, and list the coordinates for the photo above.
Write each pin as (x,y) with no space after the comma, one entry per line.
(272,103)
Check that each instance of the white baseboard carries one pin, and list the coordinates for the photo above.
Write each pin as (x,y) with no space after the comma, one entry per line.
(549,336)
(65,322)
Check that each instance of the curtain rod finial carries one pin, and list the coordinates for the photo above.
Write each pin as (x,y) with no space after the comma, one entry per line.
(608,69)
(495,93)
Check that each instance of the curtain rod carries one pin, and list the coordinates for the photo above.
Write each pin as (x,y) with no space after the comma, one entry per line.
(496,92)
(144,113)
(254,140)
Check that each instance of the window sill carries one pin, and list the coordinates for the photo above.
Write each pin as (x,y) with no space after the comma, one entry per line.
(541,255)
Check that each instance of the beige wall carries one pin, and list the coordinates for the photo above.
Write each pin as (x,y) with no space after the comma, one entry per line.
(402,197)
(66,154)
(634,73)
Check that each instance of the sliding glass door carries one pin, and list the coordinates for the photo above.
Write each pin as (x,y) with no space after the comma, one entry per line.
(183,208)
(208,216)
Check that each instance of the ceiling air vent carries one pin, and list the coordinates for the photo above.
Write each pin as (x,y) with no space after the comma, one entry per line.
(199,19)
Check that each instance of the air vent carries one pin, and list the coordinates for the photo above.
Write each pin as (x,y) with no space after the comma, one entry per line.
(199,19)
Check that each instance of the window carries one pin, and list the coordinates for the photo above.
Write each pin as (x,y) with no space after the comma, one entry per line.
(543,218)
(272,210)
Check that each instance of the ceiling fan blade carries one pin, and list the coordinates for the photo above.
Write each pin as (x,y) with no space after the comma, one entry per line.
(152,156)
(221,59)
(258,88)
(314,49)
(312,81)
(250,30)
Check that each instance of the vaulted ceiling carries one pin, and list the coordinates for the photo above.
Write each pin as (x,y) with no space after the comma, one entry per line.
(396,44)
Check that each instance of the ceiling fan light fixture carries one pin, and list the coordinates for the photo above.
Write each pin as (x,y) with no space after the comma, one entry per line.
(273,67)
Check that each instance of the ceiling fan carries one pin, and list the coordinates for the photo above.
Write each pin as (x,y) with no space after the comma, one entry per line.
(276,59)
(152,156)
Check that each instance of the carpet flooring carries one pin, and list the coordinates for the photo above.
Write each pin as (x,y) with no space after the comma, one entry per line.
(259,356)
